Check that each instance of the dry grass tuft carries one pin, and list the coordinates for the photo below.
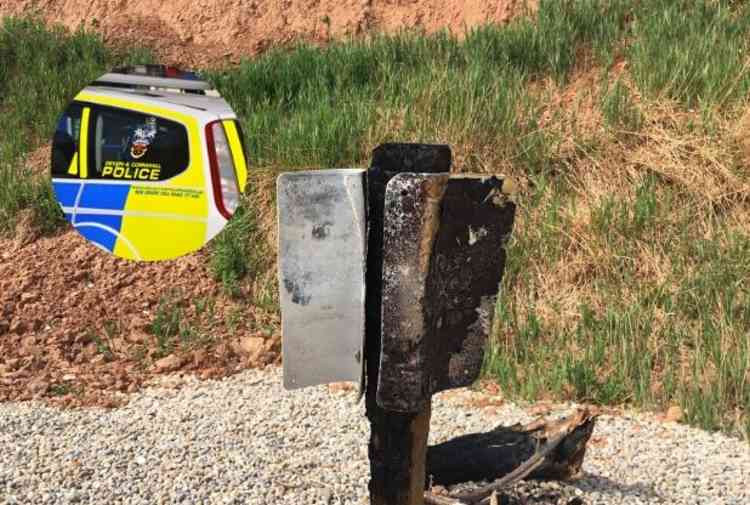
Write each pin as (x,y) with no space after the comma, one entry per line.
(262,190)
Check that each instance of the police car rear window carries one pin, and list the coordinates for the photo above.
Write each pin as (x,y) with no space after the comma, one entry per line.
(65,142)
(127,145)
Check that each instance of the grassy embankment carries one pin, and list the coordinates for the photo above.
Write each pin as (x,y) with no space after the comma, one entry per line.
(40,71)
(629,270)
(627,279)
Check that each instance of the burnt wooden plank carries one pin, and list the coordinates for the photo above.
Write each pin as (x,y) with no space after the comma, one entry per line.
(393,158)
(444,295)
(491,455)
(398,449)
(411,221)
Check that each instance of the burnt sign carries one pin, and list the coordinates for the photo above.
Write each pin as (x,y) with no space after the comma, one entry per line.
(443,260)
(406,288)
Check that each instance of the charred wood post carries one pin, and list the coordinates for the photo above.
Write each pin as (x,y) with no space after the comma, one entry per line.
(398,440)
(435,260)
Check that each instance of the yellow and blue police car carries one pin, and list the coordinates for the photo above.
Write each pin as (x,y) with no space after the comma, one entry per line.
(148,162)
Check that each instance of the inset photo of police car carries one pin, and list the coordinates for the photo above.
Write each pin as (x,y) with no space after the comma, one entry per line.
(148,162)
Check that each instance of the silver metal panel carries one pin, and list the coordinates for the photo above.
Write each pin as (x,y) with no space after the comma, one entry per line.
(322,254)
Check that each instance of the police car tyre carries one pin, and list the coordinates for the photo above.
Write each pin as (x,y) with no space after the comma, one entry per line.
(245,440)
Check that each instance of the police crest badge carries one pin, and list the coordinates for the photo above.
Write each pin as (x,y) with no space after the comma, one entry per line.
(142,138)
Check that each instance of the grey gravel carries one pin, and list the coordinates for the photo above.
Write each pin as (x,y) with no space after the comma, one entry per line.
(246,440)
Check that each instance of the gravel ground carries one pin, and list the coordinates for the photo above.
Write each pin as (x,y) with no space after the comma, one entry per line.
(246,440)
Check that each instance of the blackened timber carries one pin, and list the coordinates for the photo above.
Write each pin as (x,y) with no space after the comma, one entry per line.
(397,441)
(442,297)
(468,264)
(412,218)
(494,454)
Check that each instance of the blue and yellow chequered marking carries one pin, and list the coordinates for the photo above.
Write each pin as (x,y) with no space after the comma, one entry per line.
(98,212)
(139,220)
(104,196)
(77,197)
(66,191)
(102,229)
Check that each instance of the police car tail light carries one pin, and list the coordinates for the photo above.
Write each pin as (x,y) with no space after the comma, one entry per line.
(224,178)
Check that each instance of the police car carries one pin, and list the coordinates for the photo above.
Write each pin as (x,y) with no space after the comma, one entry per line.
(148,162)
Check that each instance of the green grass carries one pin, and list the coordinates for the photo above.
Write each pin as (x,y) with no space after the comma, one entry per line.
(174,327)
(663,313)
(618,107)
(232,251)
(328,107)
(60,389)
(241,255)
(683,340)
(694,52)
(103,344)
(631,337)
(41,69)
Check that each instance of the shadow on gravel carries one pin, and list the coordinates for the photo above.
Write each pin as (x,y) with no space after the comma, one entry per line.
(597,483)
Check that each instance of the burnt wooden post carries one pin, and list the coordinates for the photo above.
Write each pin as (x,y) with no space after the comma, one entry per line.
(435,260)
(398,440)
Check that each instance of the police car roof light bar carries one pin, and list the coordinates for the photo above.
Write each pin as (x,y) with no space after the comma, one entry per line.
(156,71)
(119,80)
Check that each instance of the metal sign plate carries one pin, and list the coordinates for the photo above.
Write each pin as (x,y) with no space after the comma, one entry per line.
(322,251)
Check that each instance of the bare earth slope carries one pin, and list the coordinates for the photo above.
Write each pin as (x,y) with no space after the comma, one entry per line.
(212,32)
(79,326)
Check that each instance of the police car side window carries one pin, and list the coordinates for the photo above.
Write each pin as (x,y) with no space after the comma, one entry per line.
(65,143)
(133,146)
